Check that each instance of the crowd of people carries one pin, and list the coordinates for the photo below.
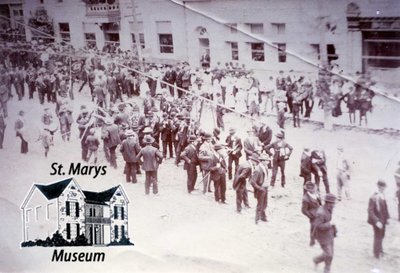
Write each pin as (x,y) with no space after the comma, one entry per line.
(166,124)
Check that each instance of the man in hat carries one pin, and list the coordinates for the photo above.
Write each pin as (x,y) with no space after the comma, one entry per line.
(206,152)
(234,144)
(20,130)
(151,158)
(189,155)
(130,149)
(378,216)
(166,134)
(282,151)
(319,168)
(251,144)
(218,173)
(41,86)
(310,204)
(83,120)
(111,135)
(324,231)
(3,126)
(258,180)
(343,174)
(244,172)
(148,103)
(182,135)
(92,142)
(305,166)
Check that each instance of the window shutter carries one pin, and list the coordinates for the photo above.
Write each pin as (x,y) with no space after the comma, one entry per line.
(122,213)
(116,232)
(67,208)
(77,230)
(115,212)
(68,231)
(76,209)
(122,231)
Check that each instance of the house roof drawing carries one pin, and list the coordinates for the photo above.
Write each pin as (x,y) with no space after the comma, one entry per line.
(100,197)
(54,190)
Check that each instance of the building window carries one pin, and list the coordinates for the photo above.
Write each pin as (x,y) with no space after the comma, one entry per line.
(278,28)
(257,52)
(256,28)
(315,51)
(119,212)
(232,27)
(234,51)
(116,232)
(166,43)
(331,51)
(90,40)
(65,32)
(68,231)
(141,40)
(164,30)
(78,230)
(122,213)
(281,52)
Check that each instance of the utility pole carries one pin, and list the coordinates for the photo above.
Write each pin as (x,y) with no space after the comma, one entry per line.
(323,69)
(137,35)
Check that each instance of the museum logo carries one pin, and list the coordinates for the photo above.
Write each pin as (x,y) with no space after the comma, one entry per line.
(61,214)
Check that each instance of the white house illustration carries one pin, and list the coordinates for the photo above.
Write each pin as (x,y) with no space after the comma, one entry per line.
(64,207)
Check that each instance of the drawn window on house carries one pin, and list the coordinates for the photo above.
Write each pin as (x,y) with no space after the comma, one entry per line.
(122,213)
(72,208)
(256,28)
(37,212)
(122,231)
(278,28)
(65,32)
(257,52)
(67,208)
(68,231)
(116,232)
(78,231)
(28,212)
(49,208)
(76,209)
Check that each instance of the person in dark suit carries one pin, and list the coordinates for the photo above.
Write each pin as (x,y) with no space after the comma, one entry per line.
(151,160)
(324,231)
(282,152)
(218,173)
(130,149)
(234,144)
(239,182)
(166,135)
(189,155)
(310,204)
(305,167)
(258,180)
(318,160)
(205,159)
(378,216)
(111,134)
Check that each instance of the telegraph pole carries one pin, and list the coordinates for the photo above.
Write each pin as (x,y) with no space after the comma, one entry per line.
(323,69)
(136,34)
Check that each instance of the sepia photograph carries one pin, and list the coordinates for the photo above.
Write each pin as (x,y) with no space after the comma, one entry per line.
(237,136)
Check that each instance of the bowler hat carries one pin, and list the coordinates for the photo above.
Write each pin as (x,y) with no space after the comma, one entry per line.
(207,136)
(217,147)
(147,130)
(217,130)
(192,138)
(330,198)
(279,135)
(148,139)
(129,133)
(381,183)
(254,157)
(232,131)
(309,186)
